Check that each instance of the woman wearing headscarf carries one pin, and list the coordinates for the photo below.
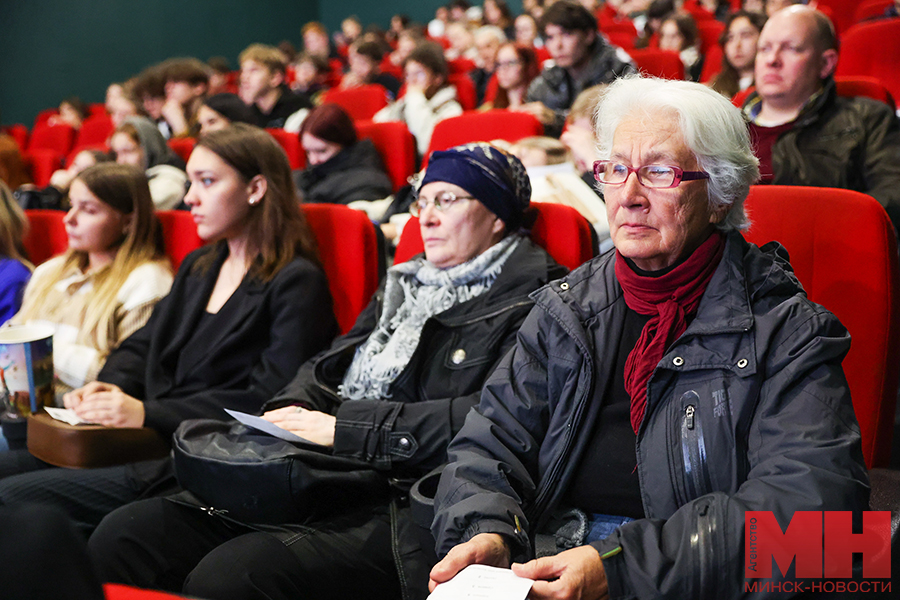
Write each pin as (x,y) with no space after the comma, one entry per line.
(392,392)
(340,168)
(138,142)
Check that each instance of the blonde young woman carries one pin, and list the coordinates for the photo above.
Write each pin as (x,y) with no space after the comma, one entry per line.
(15,270)
(105,285)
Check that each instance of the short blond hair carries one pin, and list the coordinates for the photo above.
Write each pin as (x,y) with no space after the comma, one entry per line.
(269,56)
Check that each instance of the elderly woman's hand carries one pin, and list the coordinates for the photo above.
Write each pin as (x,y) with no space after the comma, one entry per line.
(311,425)
(575,573)
(483,549)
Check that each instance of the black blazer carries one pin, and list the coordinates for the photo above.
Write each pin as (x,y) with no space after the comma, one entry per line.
(269,330)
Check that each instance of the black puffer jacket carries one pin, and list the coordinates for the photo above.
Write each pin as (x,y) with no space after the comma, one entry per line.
(408,435)
(849,143)
(354,173)
(556,89)
(747,410)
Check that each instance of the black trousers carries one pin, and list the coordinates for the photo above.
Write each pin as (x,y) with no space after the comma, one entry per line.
(43,557)
(159,544)
(85,495)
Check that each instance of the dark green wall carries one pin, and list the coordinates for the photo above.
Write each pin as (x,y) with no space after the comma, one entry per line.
(50,49)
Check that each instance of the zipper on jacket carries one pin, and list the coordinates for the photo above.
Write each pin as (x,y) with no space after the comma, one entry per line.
(693,450)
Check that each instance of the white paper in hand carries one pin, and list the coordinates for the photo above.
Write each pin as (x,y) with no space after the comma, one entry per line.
(268,427)
(66,415)
(480,582)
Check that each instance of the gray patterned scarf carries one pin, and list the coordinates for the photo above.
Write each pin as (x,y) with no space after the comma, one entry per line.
(414,292)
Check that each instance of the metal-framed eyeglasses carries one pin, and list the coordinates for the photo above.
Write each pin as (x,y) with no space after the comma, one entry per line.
(443,201)
(652,176)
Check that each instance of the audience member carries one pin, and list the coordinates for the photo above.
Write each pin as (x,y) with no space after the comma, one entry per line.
(428,99)
(581,57)
(458,11)
(244,312)
(123,105)
(579,136)
(498,14)
(262,86)
(462,42)
(138,143)
(219,111)
(657,10)
(399,24)
(392,393)
(219,73)
(437,27)
(187,82)
(488,39)
(13,171)
(149,88)
(55,195)
(598,437)
(754,6)
(340,168)
(316,41)
(517,66)
(805,133)
(351,30)
(72,112)
(15,270)
(310,75)
(738,42)
(678,33)
(104,287)
(527,33)
(364,59)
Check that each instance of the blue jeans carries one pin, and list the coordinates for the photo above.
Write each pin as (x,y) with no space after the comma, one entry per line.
(602,526)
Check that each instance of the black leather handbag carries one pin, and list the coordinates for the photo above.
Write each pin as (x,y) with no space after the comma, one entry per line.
(258,478)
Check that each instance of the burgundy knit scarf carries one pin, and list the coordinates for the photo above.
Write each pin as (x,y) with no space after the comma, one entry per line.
(668,299)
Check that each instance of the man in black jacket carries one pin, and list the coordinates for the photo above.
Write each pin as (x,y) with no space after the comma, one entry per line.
(581,59)
(804,133)
(263,88)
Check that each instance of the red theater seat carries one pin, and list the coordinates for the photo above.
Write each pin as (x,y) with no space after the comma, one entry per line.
(290,142)
(395,144)
(348,248)
(359,102)
(484,127)
(179,234)
(659,63)
(872,50)
(844,251)
(182,146)
(46,234)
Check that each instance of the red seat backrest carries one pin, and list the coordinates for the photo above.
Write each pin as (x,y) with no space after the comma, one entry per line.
(359,102)
(44,116)
(841,13)
(872,49)
(94,132)
(395,144)
(712,63)
(870,9)
(179,234)
(465,90)
(182,146)
(19,133)
(348,249)
(460,65)
(483,127)
(43,162)
(659,63)
(46,234)
(558,229)
(290,142)
(855,276)
(52,137)
(710,30)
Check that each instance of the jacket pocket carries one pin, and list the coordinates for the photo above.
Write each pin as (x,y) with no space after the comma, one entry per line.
(693,447)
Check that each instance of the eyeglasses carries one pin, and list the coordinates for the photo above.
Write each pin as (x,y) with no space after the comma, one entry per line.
(443,202)
(651,176)
(508,64)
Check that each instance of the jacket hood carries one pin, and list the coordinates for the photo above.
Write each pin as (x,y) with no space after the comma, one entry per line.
(362,154)
(156,151)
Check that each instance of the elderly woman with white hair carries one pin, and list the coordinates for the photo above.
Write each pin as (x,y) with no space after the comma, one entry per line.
(659,392)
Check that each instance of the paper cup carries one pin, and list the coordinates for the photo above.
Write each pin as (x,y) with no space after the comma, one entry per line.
(26,368)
